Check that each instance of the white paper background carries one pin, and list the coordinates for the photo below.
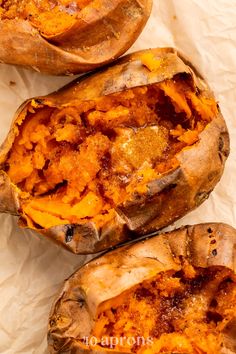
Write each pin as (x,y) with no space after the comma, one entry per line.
(33,269)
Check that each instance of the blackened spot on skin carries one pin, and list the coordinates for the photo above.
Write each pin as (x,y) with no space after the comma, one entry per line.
(214,252)
(209,230)
(12,83)
(213,242)
(81,302)
(69,234)
(221,144)
(52,323)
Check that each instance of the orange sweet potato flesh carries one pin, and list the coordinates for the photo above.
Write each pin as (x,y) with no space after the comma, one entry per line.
(182,312)
(78,163)
(49,17)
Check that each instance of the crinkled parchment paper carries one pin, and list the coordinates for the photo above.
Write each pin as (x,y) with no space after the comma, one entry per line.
(32,269)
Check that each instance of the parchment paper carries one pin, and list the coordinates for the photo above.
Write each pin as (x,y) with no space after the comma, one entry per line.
(31,268)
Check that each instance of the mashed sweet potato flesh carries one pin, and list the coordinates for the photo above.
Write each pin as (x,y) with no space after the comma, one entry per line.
(177,312)
(51,17)
(77,163)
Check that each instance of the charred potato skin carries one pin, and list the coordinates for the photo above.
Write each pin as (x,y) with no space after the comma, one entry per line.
(103,32)
(169,197)
(108,276)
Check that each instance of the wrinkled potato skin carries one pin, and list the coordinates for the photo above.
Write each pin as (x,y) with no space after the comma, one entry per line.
(111,274)
(104,31)
(170,197)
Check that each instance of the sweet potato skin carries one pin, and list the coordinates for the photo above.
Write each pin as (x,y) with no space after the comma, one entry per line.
(104,31)
(111,274)
(169,197)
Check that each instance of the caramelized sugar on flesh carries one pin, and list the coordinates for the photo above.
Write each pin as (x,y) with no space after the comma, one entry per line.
(51,17)
(182,312)
(77,163)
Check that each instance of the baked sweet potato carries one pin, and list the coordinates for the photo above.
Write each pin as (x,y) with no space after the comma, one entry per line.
(173,293)
(68,37)
(118,154)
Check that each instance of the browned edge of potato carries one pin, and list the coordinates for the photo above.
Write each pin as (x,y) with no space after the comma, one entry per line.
(104,30)
(169,197)
(104,278)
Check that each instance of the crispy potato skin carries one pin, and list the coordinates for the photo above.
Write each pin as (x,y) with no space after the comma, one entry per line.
(171,196)
(104,30)
(108,276)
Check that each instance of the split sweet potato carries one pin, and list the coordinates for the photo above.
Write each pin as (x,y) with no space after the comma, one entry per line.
(115,155)
(68,37)
(173,293)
